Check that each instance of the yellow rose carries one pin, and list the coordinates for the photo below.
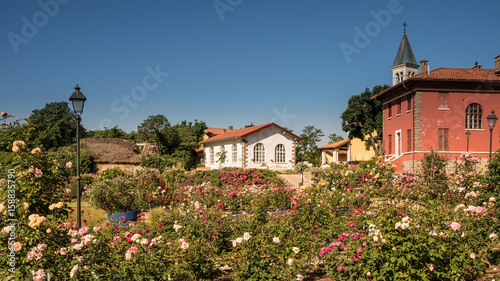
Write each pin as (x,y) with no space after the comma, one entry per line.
(49,231)
(16,247)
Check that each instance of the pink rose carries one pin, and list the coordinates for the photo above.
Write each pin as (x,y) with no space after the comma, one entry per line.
(83,230)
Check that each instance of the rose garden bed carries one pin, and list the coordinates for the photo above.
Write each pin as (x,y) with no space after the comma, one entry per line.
(362,224)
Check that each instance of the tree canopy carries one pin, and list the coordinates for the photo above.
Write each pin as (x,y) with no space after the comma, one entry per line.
(334,138)
(363,117)
(177,143)
(114,132)
(310,137)
(153,125)
(54,125)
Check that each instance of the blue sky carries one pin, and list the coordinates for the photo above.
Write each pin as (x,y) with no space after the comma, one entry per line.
(226,62)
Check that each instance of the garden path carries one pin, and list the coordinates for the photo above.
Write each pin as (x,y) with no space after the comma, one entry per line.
(295,178)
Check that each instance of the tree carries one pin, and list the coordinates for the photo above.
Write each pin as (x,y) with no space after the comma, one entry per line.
(54,125)
(363,117)
(334,138)
(154,124)
(114,132)
(310,137)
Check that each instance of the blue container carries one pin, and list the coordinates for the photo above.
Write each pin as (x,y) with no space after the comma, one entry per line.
(129,216)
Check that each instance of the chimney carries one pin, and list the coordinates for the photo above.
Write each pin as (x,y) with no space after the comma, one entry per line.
(229,128)
(424,66)
(477,66)
(497,64)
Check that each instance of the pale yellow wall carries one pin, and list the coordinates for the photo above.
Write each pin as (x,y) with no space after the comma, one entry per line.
(359,152)
(329,157)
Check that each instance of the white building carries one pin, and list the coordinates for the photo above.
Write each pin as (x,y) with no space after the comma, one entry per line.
(266,146)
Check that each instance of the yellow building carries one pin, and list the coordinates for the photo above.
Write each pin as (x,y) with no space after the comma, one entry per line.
(344,151)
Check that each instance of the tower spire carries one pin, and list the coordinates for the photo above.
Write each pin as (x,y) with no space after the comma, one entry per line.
(405,65)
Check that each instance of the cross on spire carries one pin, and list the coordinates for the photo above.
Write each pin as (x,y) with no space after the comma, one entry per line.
(404,24)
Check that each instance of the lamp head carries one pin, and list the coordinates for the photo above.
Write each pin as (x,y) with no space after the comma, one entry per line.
(78,100)
(492,119)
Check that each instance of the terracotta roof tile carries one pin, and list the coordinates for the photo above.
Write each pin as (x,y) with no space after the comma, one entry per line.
(444,73)
(450,74)
(335,144)
(242,133)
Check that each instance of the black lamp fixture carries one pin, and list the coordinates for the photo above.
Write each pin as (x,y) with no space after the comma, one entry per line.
(468,133)
(492,120)
(78,100)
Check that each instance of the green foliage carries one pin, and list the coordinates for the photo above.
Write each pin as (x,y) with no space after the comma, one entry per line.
(54,125)
(215,178)
(115,195)
(493,174)
(434,168)
(13,131)
(149,128)
(334,138)
(114,132)
(185,157)
(310,138)
(111,174)
(87,164)
(85,184)
(221,156)
(176,144)
(363,117)
(390,227)
(7,161)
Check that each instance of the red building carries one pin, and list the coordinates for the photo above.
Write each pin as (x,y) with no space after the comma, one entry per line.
(435,109)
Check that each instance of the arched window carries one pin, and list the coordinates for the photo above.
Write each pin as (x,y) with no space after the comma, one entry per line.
(474,116)
(279,154)
(259,153)
(211,155)
(235,153)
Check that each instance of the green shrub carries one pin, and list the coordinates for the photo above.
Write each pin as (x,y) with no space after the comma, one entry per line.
(112,173)
(493,174)
(85,184)
(215,178)
(116,195)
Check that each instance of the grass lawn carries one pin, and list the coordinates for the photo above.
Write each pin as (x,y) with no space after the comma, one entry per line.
(92,216)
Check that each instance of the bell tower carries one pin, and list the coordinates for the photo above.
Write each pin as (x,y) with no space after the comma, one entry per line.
(405,65)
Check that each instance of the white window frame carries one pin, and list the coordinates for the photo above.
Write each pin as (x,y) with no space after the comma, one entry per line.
(259,153)
(280,153)
(211,155)
(234,155)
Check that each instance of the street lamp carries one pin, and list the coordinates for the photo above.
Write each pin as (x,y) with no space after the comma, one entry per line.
(468,136)
(78,100)
(302,151)
(492,120)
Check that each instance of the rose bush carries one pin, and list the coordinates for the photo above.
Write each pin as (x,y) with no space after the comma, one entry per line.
(250,226)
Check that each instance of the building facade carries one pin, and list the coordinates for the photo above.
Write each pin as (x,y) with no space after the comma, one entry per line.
(266,146)
(443,110)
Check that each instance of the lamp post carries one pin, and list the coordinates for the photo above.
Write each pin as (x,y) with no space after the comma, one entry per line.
(78,100)
(492,120)
(468,136)
(302,151)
